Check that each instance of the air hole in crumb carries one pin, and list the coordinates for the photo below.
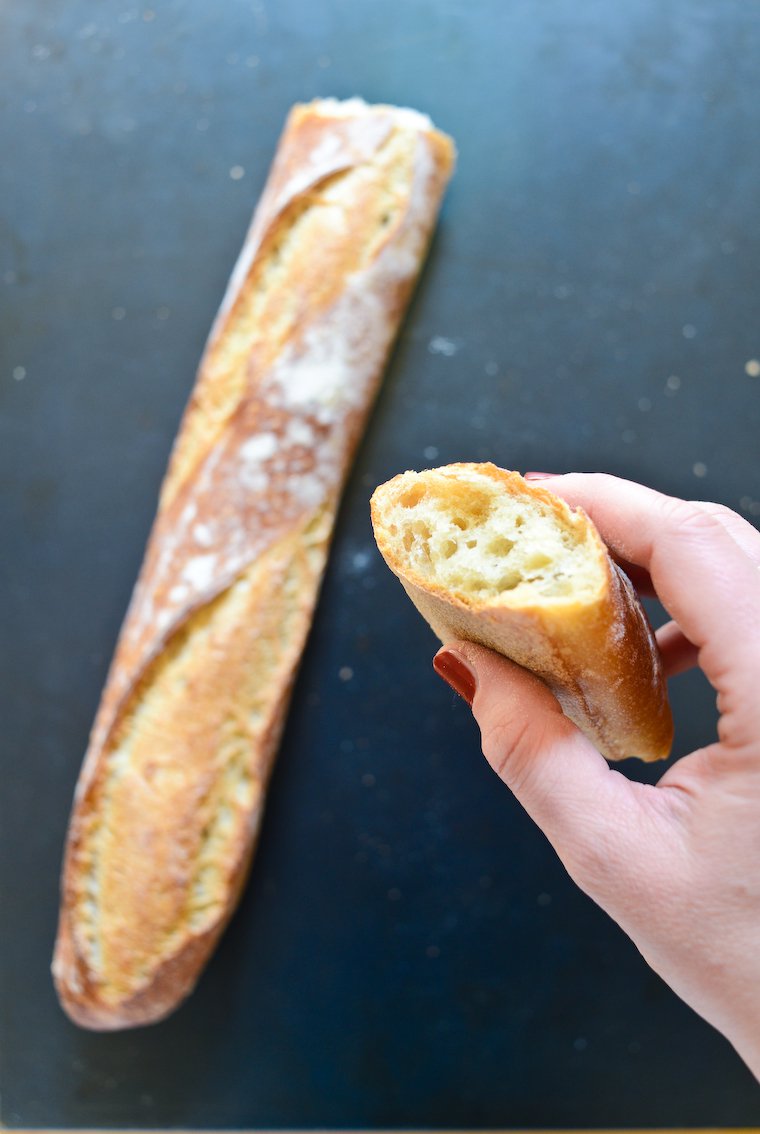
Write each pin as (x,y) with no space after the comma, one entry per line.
(412,496)
(417,534)
(519,521)
(472,543)
(460,522)
(448,547)
(538,559)
(508,582)
(500,546)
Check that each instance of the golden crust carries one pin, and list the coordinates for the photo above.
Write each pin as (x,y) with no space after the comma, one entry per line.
(170,795)
(595,651)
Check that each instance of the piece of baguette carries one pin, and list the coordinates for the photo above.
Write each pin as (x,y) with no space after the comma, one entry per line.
(170,796)
(487,557)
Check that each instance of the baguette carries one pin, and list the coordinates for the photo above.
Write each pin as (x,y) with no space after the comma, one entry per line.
(487,557)
(170,796)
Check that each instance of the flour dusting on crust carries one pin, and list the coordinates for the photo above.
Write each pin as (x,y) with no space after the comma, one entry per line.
(285,450)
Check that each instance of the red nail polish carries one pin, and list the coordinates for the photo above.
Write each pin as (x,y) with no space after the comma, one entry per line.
(539,475)
(456,673)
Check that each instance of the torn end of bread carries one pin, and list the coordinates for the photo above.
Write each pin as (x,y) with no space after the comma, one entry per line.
(487,557)
(482,544)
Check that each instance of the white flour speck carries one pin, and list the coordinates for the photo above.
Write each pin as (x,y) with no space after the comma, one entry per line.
(254,479)
(199,572)
(203,535)
(162,619)
(440,345)
(319,381)
(308,490)
(360,560)
(299,433)
(259,448)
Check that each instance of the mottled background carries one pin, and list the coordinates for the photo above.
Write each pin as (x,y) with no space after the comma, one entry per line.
(409,952)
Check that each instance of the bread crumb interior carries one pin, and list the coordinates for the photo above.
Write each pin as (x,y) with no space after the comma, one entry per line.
(472,537)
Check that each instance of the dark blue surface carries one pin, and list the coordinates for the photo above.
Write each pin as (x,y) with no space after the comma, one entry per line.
(409,952)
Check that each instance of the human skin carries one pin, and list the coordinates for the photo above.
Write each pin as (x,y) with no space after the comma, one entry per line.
(677,865)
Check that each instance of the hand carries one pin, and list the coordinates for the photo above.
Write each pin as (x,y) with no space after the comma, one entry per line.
(677,865)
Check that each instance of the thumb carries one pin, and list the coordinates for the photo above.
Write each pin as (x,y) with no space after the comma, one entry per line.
(559,777)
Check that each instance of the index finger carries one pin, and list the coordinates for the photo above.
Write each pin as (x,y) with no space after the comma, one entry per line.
(708,583)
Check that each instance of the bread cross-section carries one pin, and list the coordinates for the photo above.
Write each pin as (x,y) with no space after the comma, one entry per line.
(489,558)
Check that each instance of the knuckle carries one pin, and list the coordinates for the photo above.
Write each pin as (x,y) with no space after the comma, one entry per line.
(509,745)
(690,520)
(721,511)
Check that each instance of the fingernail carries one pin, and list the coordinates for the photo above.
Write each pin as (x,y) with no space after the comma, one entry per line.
(539,475)
(456,672)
